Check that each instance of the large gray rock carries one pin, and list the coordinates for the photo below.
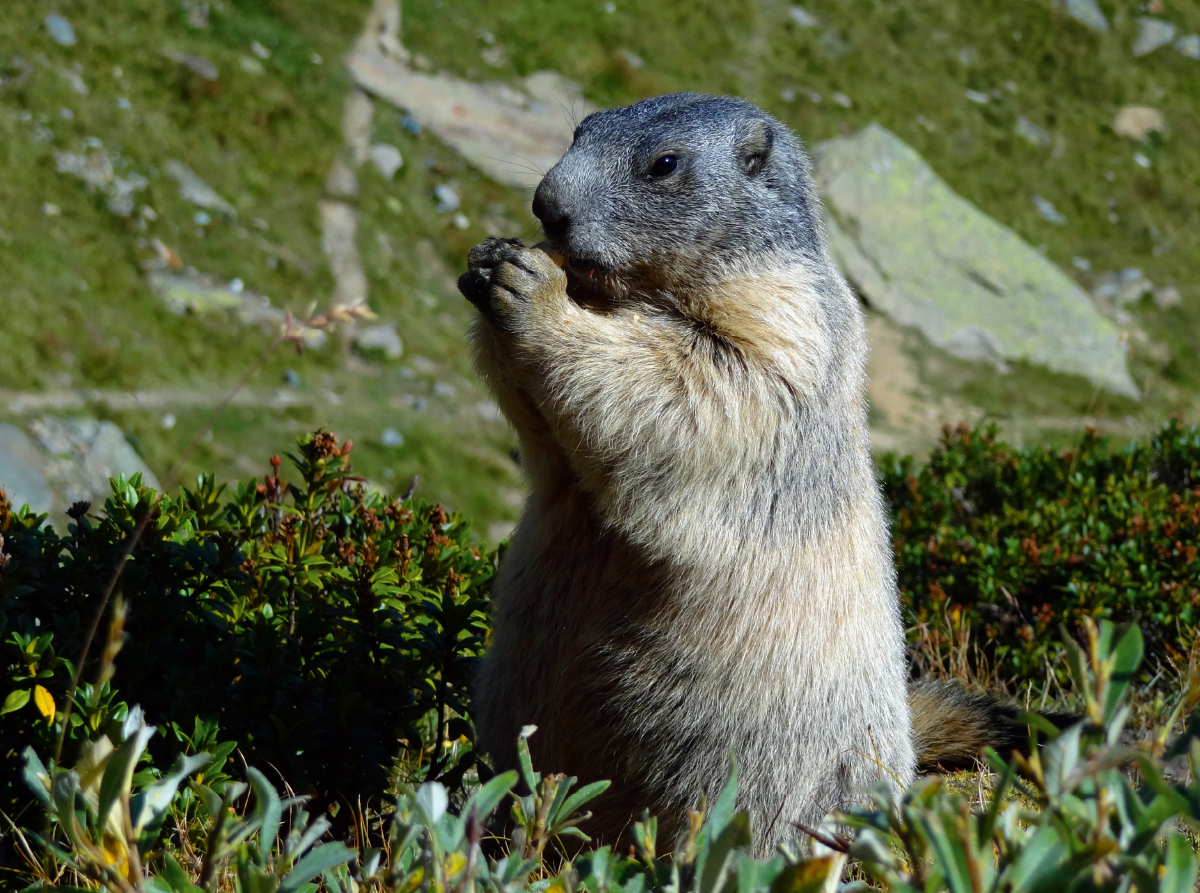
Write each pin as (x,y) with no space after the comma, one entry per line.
(23,471)
(930,259)
(514,134)
(80,455)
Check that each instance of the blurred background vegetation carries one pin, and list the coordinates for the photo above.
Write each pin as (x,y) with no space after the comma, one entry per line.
(249,94)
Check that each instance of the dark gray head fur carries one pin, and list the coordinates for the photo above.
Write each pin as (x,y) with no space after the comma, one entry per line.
(741,190)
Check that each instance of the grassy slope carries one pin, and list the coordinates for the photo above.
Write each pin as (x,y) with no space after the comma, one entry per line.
(897,62)
(266,142)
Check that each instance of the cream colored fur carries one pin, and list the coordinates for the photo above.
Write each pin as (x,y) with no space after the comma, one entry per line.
(703,563)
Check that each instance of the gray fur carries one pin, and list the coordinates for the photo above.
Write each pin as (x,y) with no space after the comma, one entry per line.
(703,563)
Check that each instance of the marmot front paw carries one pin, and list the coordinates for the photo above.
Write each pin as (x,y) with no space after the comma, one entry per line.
(503,277)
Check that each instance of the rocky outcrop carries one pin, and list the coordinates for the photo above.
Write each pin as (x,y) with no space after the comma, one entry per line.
(513,134)
(64,461)
(930,259)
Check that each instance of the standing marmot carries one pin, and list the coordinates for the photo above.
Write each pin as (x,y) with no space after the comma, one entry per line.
(704,562)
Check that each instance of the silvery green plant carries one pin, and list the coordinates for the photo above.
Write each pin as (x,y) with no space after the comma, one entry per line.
(108,825)
(1083,812)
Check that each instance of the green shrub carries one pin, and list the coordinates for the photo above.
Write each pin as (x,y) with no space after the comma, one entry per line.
(1067,818)
(331,634)
(314,623)
(998,546)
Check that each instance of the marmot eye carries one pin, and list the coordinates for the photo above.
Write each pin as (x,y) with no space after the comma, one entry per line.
(664,165)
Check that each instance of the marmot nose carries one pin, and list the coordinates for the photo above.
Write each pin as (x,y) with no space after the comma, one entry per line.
(546,208)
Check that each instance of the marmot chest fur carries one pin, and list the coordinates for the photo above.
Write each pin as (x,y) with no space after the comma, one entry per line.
(703,564)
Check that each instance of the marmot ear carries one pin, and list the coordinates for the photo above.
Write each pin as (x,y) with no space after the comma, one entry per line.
(754,147)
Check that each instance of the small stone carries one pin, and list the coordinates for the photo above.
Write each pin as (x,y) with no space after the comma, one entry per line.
(200,218)
(632,59)
(291,379)
(379,341)
(834,44)
(51,210)
(121,192)
(1189,46)
(1081,263)
(443,389)
(1167,297)
(1048,211)
(788,94)
(75,79)
(316,59)
(198,15)
(391,438)
(976,96)
(803,18)
(259,50)
(489,410)
(1125,287)
(1135,121)
(411,124)
(1140,160)
(843,100)
(342,182)
(1086,12)
(250,65)
(60,30)
(387,158)
(1152,34)
(609,8)
(195,190)
(447,198)
(1032,134)
(461,221)
(357,113)
(493,56)
(167,422)
(196,64)
(66,114)
(124,103)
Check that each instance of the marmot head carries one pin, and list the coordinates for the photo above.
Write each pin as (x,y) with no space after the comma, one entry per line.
(677,190)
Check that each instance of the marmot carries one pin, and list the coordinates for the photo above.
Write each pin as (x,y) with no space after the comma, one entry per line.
(703,564)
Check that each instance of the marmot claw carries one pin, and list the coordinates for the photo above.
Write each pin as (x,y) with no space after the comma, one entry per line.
(503,275)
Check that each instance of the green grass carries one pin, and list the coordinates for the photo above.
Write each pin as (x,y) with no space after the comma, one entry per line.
(266,142)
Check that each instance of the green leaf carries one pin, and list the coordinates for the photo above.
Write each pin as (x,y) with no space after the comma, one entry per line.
(1037,861)
(814,875)
(176,878)
(722,810)
(118,770)
(582,796)
(531,778)
(734,837)
(16,700)
(151,804)
(1126,658)
(1179,875)
(488,797)
(36,777)
(951,855)
(268,812)
(318,861)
